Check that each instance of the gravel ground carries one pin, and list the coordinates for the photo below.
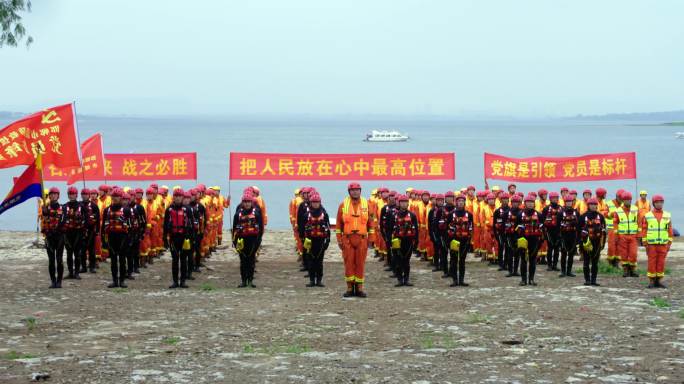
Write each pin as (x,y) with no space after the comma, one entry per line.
(282,332)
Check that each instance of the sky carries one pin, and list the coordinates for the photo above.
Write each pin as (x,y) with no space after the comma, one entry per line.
(339,57)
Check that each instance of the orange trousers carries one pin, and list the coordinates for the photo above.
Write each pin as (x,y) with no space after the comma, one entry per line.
(627,249)
(612,246)
(354,252)
(423,239)
(298,242)
(656,259)
(476,238)
(380,245)
(489,244)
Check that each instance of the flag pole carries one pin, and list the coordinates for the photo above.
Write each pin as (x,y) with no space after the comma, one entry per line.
(41,201)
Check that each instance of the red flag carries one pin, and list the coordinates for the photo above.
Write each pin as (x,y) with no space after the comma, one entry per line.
(51,132)
(92,155)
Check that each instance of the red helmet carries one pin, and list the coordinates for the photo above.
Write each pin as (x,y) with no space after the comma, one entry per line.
(154,185)
(353,185)
(490,196)
(149,190)
(85,191)
(163,189)
(425,192)
(460,197)
(601,192)
(519,193)
(402,198)
(54,190)
(248,197)
(72,191)
(592,200)
(471,188)
(516,199)
(619,193)
(586,191)
(201,187)
(178,192)
(511,185)
(533,194)
(117,192)
(383,189)
(570,198)
(194,191)
(480,194)
(103,187)
(315,197)
(626,195)
(573,192)
(138,190)
(564,189)
(439,196)
(187,194)
(658,198)
(393,194)
(554,195)
(449,193)
(543,192)
(504,196)
(529,198)
(126,196)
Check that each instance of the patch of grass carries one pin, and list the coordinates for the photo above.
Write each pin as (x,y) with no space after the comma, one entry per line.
(681,313)
(14,355)
(427,342)
(171,340)
(207,287)
(274,349)
(659,302)
(248,348)
(120,290)
(476,318)
(30,323)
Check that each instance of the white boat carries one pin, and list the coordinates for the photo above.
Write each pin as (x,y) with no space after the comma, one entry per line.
(385,136)
(679,135)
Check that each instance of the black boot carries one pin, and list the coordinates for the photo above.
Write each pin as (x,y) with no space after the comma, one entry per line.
(407,283)
(243,284)
(659,283)
(312,282)
(400,283)
(319,282)
(651,283)
(113,285)
(625,272)
(632,271)
(250,284)
(122,284)
(183,285)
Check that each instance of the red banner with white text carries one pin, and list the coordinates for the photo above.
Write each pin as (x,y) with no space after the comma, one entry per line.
(610,166)
(366,166)
(140,167)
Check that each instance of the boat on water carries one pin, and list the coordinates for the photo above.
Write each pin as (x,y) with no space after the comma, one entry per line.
(385,136)
(679,135)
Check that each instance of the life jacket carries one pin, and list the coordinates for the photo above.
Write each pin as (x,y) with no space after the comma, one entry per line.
(316,226)
(551,220)
(499,223)
(593,227)
(177,219)
(568,221)
(441,217)
(51,218)
(135,220)
(246,223)
(628,222)
(403,225)
(459,227)
(511,221)
(73,217)
(531,223)
(355,221)
(390,211)
(115,222)
(658,231)
(91,220)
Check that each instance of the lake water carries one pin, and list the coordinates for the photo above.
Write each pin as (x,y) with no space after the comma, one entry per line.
(658,162)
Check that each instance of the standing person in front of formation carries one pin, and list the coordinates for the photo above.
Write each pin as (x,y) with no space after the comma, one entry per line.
(248,228)
(316,239)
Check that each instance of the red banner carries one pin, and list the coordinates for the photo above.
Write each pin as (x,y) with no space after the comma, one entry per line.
(611,166)
(51,132)
(141,167)
(374,166)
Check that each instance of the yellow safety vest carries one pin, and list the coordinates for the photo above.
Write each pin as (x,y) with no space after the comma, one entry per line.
(628,223)
(658,230)
(611,209)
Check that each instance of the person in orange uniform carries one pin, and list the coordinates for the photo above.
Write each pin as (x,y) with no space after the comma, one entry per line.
(489,244)
(375,207)
(583,206)
(260,202)
(539,205)
(477,226)
(104,200)
(421,215)
(657,237)
(626,227)
(353,228)
(294,203)
(613,206)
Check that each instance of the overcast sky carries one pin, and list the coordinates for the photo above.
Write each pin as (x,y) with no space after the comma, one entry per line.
(518,58)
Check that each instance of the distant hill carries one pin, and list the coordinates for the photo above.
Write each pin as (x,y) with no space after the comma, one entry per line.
(665,117)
